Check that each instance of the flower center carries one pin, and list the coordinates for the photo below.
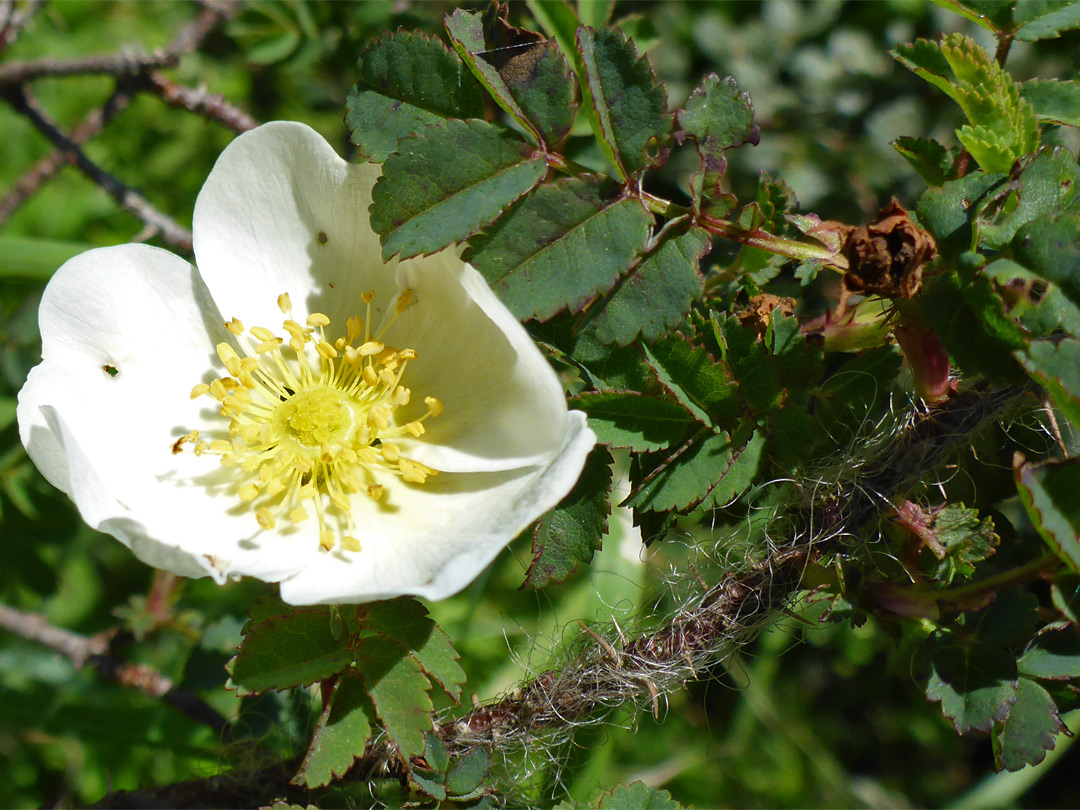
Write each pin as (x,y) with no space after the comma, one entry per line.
(311,429)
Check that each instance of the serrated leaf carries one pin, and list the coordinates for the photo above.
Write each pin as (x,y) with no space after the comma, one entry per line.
(1054,102)
(740,474)
(559,20)
(447,182)
(1050,247)
(340,735)
(632,420)
(407,81)
(526,75)
(573,530)
(718,117)
(630,106)
(399,690)
(975,686)
(1045,19)
(797,361)
(565,243)
(468,773)
(1008,621)
(435,753)
(406,622)
(947,212)
(925,59)
(687,476)
(286,651)
(699,383)
(1049,184)
(1030,729)
(995,15)
(964,540)
(1048,492)
(747,359)
(655,295)
(1053,655)
(928,157)
(1056,367)
(635,796)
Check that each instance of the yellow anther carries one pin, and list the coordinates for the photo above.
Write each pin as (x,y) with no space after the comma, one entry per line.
(413,471)
(265,433)
(225,353)
(355,327)
(317,319)
(370,377)
(351,543)
(391,452)
(268,346)
(217,390)
(326,540)
(326,350)
(248,364)
(235,326)
(352,357)
(275,487)
(415,428)
(262,334)
(200,448)
(220,446)
(248,492)
(229,384)
(298,515)
(296,343)
(339,344)
(378,418)
(407,354)
(403,301)
(368,297)
(387,376)
(400,396)
(293,328)
(375,491)
(435,407)
(199,390)
(250,433)
(371,347)
(265,518)
(284,303)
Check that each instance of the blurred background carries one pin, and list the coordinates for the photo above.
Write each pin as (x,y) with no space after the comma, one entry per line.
(809,716)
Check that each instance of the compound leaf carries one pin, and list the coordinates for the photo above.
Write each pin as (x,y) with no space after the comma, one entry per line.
(340,735)
(975,685)
(398,689)
(1045,19)
(1053,656)
(687,476)
(406,622)
(632,420)
(1054,102)
(1030,729)
(698,382)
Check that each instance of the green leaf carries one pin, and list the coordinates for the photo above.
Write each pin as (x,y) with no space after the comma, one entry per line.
(1050,183)
(35,259)
(740,474)
(798,362)
(1008,622)
(655,295)
(632,420)
(406,82)
(447,182)
(928,157)
(633,124)
(573,530)
(747,359)
(1056,367)
(1045,19)
(1050,247)
(468,773)
(1030,729)
(964,540)
(975,686)
(687,476)
(595,12)
(699,383)
(1053,656)
(995,15)
(559,20)
(398,689)
(947,212)
(406,622)
(526,75)
(718,117)
(967,314)
(340,735)
(561,246)
(1053,101)
(1048,492)
(285,651)
(635,796)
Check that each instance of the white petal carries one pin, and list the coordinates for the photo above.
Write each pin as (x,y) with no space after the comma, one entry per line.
(434,539)
(281,212)
(145,313)
(503,404)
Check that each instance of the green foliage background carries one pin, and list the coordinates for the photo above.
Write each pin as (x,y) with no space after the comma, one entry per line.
(809,716)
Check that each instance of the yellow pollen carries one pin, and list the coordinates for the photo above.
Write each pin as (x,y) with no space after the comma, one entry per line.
(309,420)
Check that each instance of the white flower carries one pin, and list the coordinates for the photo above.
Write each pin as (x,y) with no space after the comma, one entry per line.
(296,409)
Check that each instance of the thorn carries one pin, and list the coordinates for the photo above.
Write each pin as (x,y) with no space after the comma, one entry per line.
(604,643)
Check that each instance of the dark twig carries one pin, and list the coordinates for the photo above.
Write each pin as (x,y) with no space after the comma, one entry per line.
(201,102)
(12,21)
(114,64)
(27,185)
(94,650)
(127,198)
